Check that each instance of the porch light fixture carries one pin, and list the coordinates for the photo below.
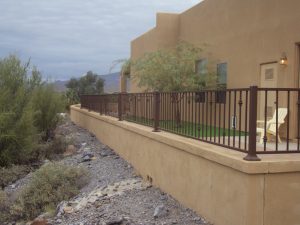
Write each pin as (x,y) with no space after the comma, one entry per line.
(283,59)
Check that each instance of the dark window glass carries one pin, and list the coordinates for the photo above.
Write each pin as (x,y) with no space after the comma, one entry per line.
(222,74)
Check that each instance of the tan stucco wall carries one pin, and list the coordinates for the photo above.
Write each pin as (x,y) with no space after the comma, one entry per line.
(244,34)
(164,35)
(214,181)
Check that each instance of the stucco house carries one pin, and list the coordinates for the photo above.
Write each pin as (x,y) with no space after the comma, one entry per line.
(253,42)
(248,38)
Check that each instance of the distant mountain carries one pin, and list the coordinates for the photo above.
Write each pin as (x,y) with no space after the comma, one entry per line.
(111,83)
(60,85)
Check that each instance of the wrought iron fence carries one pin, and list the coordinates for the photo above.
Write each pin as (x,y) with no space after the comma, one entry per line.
(251,120)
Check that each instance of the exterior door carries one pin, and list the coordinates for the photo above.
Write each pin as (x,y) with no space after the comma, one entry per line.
(298,64)
(268,79)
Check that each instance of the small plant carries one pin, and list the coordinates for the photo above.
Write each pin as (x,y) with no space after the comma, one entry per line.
(51,184)
(52,149)
(11,174)
(4,207)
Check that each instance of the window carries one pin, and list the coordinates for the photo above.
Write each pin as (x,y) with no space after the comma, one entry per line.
(222,74)
(269,74)
(201,67)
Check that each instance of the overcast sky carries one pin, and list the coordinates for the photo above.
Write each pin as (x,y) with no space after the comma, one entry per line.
(66,38)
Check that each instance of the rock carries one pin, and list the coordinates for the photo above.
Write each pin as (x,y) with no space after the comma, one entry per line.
(45,215)
(70,150)
(116,221)
(60,208)
(68,209)
(160,211)
(87,153)
(87,156)
(86,159)
(146,185)
(39,221)
(104,154)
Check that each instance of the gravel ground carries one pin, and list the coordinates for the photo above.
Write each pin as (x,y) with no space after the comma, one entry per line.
(115,194)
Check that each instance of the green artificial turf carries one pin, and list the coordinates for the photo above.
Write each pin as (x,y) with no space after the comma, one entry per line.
(188,128)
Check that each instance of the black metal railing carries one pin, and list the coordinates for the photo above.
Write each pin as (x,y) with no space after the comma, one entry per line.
(251,120)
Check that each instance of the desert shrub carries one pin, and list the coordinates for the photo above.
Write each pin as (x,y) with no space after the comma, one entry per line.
(47,105)
(17,131)
(51,184)
(13,173)
(4,208)
(51,149)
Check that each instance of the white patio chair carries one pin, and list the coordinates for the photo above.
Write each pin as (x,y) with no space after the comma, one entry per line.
(271,125)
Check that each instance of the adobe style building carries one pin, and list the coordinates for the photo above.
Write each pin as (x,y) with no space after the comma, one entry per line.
(247,39)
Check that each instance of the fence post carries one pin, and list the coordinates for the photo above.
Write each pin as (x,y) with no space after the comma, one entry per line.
(252,125)
(120,104)
(156,111)
(89,103)
(81,101)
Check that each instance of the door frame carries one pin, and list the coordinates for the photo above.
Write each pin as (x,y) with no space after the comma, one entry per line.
(297,63)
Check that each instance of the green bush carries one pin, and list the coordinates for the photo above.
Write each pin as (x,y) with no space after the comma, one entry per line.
(47,104)
(17,131)
(13,173)
(50,185)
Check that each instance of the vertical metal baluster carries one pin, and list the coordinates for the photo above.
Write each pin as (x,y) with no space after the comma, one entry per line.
(210,116)
(169,108)
(185,114)
(229,118)
(246,119)
(298,121)
(234,117)
(198,118)
(219,124)
(277,120)
(190,115)
(288,121)
(203,113)
(240,118)
(172,112)
(215,115)
(195,115)
(265,121)
(206,123)
(224,118)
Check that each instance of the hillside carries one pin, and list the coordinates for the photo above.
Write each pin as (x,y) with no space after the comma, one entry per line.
(111,83)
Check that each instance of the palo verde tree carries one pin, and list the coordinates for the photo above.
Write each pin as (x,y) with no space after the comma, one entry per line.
(47,105)
(89,84)
(17,131)
(173,70)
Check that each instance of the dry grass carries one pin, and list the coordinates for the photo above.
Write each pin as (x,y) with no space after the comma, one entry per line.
(50,185)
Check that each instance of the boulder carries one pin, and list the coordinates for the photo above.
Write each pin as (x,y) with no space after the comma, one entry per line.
(70,150)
